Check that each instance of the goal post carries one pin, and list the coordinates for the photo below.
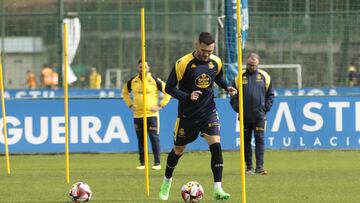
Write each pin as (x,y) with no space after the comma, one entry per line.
(286,69)
(282,75)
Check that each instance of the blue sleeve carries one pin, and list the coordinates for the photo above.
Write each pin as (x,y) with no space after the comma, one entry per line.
(234,100)
(220,80)
(171,88)
(269,97)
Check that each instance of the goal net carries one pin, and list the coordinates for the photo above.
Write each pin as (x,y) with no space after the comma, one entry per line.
(282,75)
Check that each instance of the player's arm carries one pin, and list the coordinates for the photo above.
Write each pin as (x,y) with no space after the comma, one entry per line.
(171,88)
(166,98)
(269,96)
(126,93)
(221,82)
(234,100)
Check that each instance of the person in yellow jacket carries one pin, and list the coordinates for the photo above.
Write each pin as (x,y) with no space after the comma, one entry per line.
(153,86)
(352,74)
(94,79)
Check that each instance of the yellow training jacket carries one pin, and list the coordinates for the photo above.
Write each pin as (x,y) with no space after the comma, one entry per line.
(153,86)
(95,81)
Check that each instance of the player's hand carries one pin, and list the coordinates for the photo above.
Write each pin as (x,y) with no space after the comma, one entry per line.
(232,91)
(155,108)
(195,95)
(132,107)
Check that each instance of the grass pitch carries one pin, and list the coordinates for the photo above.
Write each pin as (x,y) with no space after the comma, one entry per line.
(294,176)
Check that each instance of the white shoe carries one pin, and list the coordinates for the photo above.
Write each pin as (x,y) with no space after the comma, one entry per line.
(156,167)
(141,167)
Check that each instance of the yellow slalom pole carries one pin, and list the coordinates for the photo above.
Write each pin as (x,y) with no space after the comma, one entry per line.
(240,98)
(143,76)
(4,117)
(66,105)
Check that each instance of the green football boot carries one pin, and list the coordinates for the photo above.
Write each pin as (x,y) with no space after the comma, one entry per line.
(165,190)
(220,194)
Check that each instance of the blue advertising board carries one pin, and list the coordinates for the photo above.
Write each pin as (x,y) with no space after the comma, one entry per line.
(323,91)
(106,125)
(116,93)
(58,93)
(314,123)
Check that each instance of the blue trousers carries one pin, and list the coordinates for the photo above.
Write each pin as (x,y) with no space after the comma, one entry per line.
(258,129)
(153,132)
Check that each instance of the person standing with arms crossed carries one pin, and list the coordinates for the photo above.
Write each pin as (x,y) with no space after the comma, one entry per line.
(195,74)
(258,97)
(154,85)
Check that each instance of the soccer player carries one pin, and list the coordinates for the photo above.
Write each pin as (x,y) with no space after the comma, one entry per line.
(258,96)
(195,74)
(154,85)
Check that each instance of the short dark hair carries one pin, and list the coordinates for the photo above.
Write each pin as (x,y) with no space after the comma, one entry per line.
(206,38)
(254,55)
(139,61)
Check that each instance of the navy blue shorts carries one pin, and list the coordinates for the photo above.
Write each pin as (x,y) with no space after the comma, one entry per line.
(187,130)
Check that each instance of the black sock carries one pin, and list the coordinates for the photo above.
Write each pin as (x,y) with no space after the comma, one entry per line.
(217,162)
(171,163)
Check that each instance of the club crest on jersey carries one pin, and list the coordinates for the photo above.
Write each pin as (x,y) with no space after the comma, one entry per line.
(258,78)
(203,81)
(211,65)
(193,66)
(181,132)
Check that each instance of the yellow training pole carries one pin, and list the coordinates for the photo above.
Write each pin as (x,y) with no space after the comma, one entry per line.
(4,117)
(240,98)
(143,76)
(66,105)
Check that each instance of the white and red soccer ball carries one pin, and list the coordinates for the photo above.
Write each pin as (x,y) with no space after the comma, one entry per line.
(192,192)
(80,192)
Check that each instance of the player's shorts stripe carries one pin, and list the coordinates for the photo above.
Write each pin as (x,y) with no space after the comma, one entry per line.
(176,127)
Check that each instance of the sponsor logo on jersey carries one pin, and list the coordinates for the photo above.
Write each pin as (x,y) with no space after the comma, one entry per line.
(203,81)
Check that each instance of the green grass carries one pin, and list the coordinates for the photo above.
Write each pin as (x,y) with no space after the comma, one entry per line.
(294,176)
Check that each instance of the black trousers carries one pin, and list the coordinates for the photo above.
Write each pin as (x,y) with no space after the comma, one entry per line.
(153,132)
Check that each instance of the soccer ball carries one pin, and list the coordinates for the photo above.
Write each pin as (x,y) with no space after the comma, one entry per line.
(192,192)
(80,192)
